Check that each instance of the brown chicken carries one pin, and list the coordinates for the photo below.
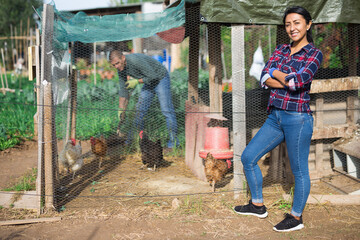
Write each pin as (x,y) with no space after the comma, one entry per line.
(215,169)
(99,148)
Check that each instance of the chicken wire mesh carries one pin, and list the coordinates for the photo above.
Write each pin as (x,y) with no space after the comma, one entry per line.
(101,155)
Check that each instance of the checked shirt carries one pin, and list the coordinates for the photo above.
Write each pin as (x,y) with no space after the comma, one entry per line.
(296,97)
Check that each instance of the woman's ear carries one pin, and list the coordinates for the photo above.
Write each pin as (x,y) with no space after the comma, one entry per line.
(308,25)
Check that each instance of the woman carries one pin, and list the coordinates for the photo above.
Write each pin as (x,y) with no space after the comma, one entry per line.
(289,73)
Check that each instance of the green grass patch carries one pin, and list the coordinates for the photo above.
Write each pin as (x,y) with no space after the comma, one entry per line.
(26,183)
(16,113)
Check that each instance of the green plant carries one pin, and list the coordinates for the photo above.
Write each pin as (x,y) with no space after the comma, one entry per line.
(192,206)
(26,183)
(151,202)
(81,64)
(285,204)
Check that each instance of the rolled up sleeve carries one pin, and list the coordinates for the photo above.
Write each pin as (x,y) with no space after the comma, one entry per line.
(272,63)
(299,80)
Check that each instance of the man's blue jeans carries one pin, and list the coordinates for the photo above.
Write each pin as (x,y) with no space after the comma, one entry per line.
(296,129)
(164,95)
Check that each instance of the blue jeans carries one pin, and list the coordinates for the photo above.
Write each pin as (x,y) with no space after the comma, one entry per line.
(296,129)
(164,95)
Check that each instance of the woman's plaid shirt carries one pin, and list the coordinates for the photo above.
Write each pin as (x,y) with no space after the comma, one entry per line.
(296,97)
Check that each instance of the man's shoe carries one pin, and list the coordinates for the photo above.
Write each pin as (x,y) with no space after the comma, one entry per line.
(251,209)
(289,224)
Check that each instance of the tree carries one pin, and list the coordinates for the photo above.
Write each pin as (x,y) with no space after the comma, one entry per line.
(15,12)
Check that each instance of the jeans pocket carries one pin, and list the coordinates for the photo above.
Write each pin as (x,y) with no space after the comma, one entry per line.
(294,113)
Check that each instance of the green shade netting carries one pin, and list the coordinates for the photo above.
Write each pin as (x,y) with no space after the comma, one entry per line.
(271,11)
(69,27)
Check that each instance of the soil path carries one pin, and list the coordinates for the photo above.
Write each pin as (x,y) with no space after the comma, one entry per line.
(193,216)
(16,161)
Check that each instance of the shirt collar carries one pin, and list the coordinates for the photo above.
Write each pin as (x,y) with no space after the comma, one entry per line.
(306,47)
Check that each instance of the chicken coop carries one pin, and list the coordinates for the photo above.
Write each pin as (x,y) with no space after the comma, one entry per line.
(186,83)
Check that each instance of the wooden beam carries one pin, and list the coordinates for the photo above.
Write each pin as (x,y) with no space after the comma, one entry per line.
(330,199)
(351,109)
(18,38)
(335,84)
(46,61)
(29,221)
(73,104)
(332,132)
(192,16)
(239,105)
(352,39)
(9,90)
(39,117)
(319,123)
(215,67)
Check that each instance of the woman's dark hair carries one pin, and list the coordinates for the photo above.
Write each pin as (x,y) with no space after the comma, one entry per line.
(303,12)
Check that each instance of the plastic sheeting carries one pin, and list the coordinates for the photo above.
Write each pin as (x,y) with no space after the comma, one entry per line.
(70,27)
(271,12)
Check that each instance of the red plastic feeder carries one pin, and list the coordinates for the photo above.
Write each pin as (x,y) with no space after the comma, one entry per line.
(217,143)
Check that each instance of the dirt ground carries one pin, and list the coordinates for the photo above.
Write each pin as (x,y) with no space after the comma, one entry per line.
(106,204)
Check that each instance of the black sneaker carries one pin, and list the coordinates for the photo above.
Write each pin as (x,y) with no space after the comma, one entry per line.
(251,209)
(289,224)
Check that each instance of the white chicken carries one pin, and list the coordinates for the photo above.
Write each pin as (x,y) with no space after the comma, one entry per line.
(77,166)
(70,155)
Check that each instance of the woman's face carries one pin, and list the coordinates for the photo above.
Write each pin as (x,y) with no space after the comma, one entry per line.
(296,27)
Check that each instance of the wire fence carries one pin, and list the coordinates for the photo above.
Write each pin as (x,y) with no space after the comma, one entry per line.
(114,140)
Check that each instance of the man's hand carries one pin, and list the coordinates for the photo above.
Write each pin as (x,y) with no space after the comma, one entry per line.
(131,83)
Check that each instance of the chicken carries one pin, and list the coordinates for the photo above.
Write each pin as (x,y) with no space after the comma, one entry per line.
(99,148)
(151,152)
(70,154)
(215,169)
(77,166)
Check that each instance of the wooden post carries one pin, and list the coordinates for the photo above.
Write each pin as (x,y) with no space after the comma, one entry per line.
(319,123)
(194,28)
(194,119)
(3,60)
(73,96)
(12,44)
(2,81)
(26,41)
(215,68)
(350,110)
(49,177)
(352,49)
(239,105)
(20,40)
(37,84)
(16,46)
(175,56)
(46,61)
(94,63)
(38,118)
(138,42)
